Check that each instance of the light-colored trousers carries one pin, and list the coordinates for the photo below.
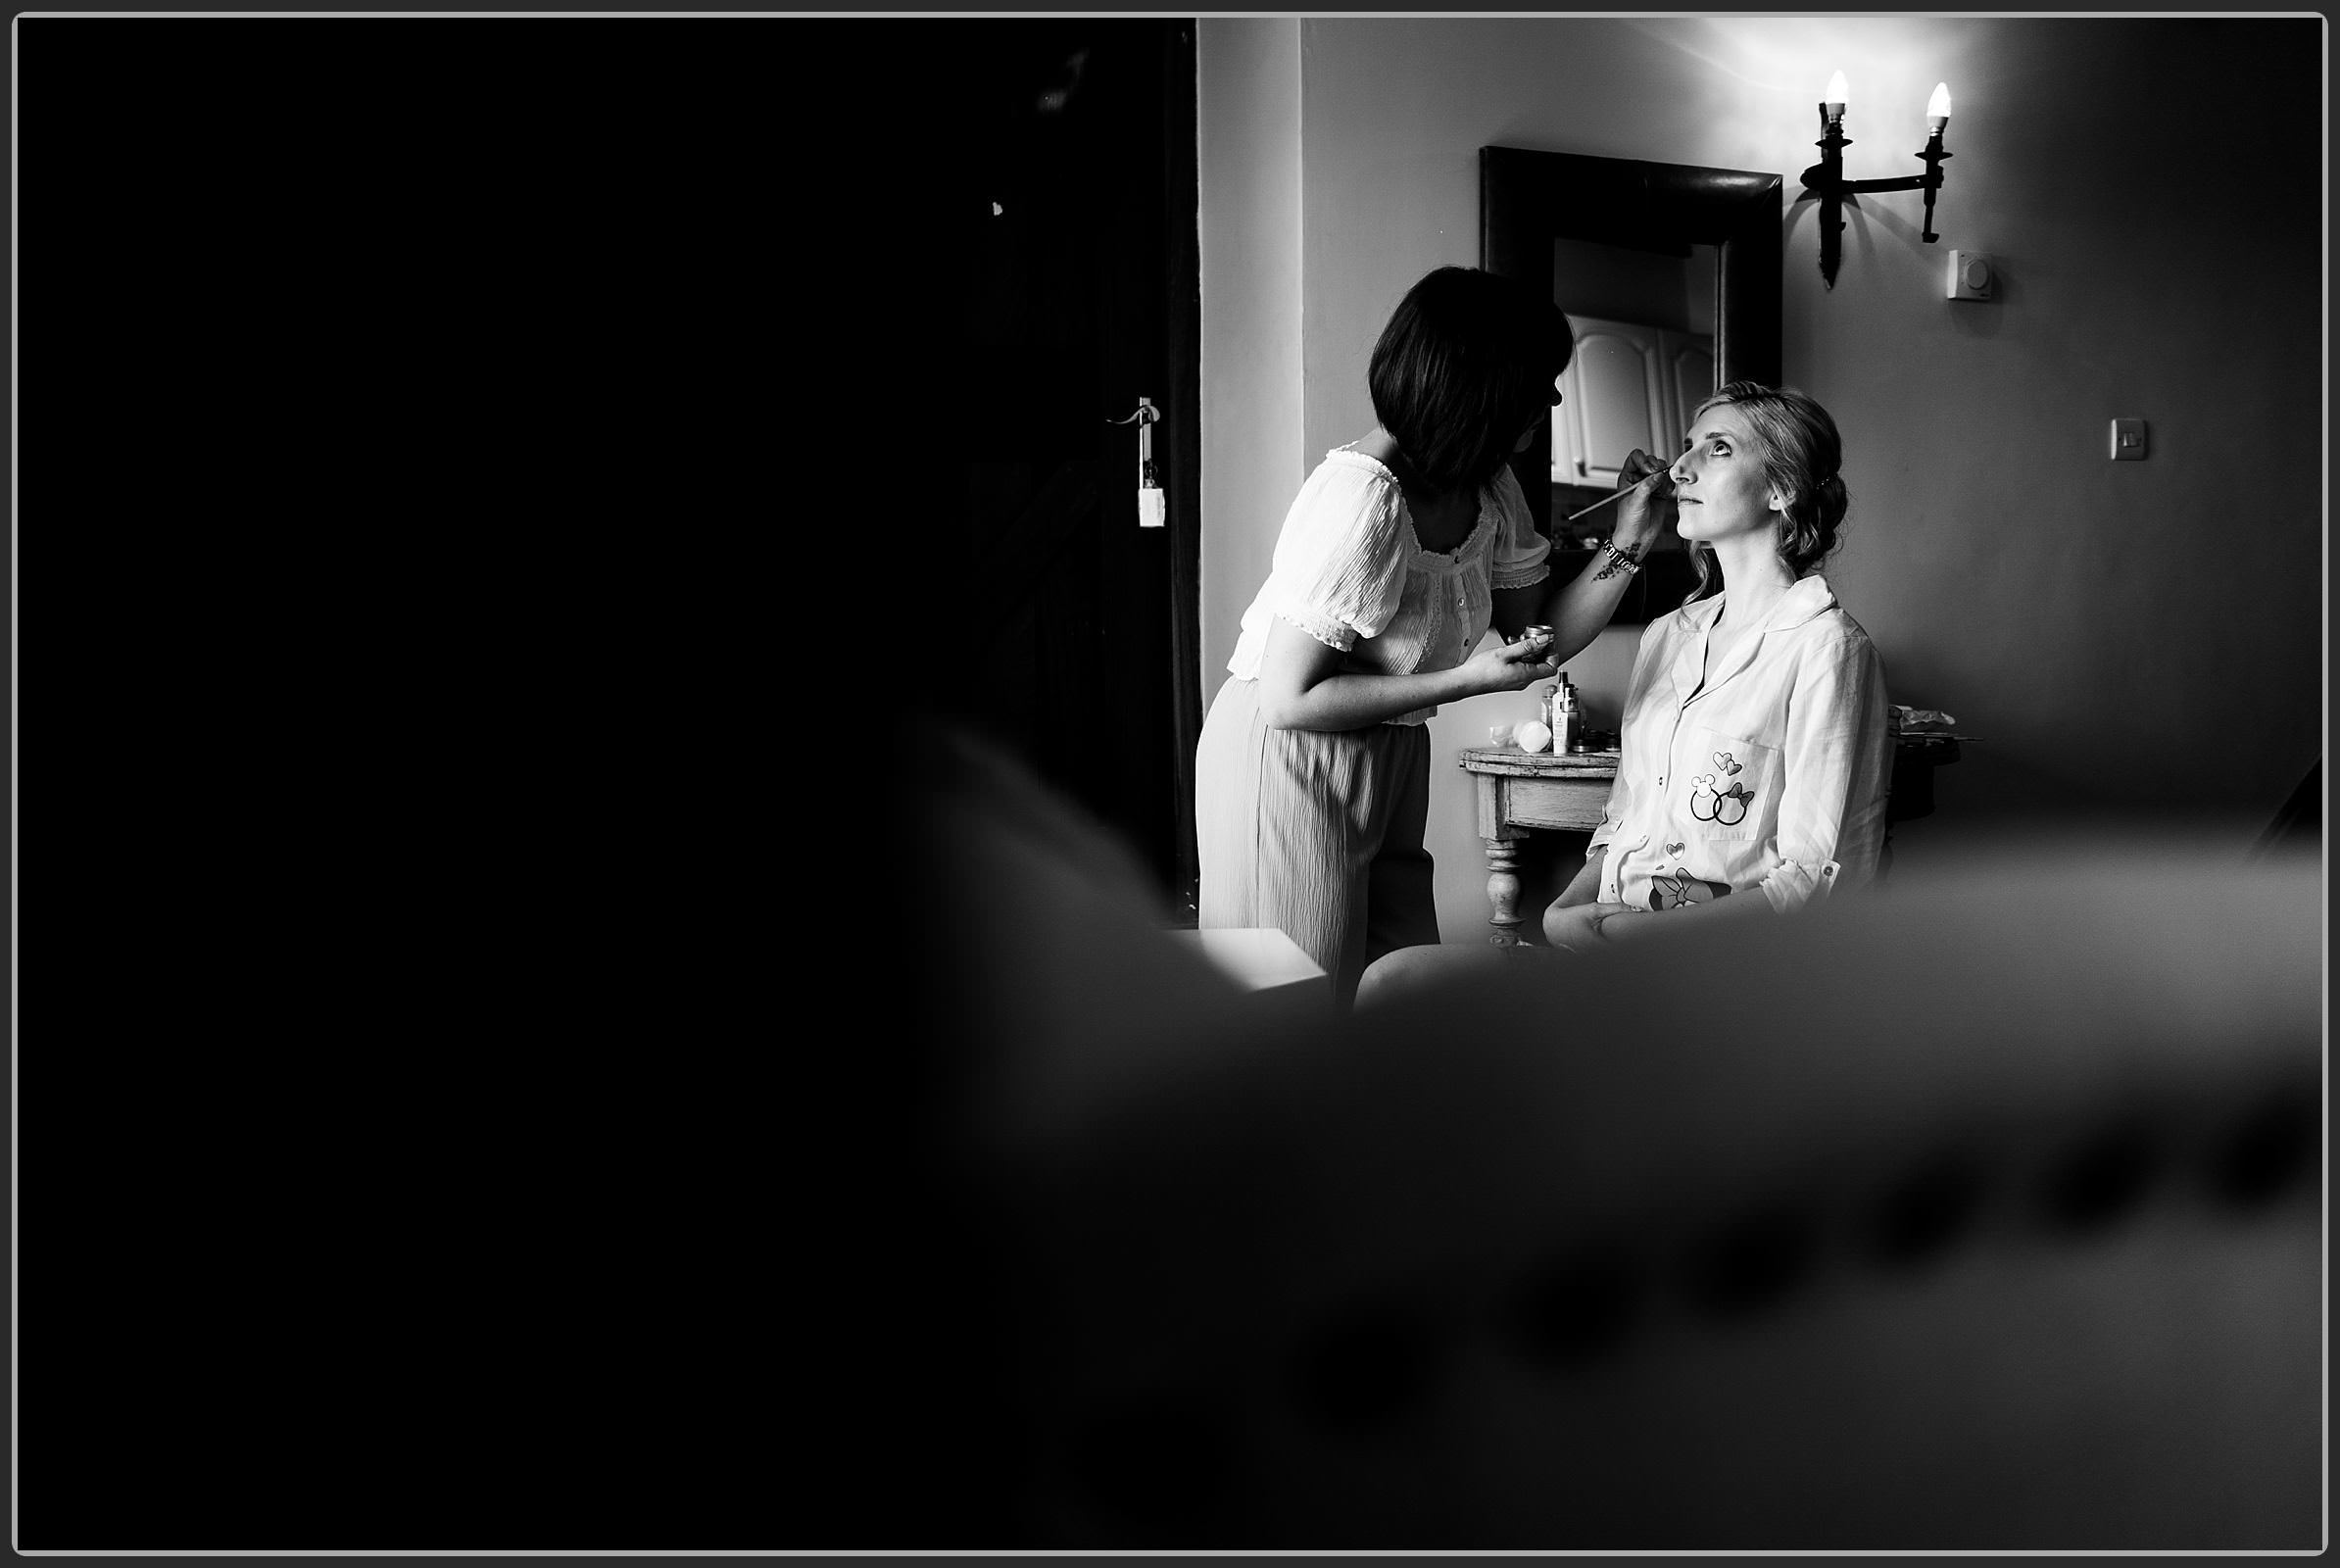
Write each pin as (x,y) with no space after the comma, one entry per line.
(1316,833)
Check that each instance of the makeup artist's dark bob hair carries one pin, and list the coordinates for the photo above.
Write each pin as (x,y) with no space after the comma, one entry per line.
(1801,455)
(1465,364)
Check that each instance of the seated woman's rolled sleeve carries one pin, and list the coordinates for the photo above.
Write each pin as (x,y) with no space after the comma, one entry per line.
(1340,567)
(1522,554)
(1838,755)
(1612,815)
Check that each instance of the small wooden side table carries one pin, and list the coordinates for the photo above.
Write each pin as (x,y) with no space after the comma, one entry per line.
(1518,790)
(1521,791)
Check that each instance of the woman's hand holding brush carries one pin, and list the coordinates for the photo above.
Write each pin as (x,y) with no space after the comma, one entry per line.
(1644,501)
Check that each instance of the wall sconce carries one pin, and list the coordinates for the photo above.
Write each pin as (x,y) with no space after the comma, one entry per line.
(1826,179)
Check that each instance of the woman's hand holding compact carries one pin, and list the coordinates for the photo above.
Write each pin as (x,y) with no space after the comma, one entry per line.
(1510,666)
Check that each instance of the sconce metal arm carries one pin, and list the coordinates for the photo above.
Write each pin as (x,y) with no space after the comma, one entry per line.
(1826,182)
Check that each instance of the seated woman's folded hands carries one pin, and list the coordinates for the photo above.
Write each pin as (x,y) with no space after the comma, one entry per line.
(1579,927)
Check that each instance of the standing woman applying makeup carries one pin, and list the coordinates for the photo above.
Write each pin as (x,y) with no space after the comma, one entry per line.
(1756,752)
(1312,775)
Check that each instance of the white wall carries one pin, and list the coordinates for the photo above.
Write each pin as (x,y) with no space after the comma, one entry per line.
(2125,638)
(1248,159)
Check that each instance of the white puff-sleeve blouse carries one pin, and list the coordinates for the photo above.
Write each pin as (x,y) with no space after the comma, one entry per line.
(1350,571)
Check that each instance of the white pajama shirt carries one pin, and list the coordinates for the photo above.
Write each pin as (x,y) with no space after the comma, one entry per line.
(1772,775)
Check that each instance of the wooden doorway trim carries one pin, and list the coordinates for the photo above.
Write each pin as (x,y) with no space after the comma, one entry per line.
(1179,443)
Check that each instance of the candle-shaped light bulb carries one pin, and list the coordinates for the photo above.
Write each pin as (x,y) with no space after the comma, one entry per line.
(1832,98)
(1937,108)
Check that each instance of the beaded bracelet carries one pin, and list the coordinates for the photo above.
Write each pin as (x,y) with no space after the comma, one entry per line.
(1628,562)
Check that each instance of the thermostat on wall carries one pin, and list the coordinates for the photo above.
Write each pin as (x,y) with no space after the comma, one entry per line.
(1972,277)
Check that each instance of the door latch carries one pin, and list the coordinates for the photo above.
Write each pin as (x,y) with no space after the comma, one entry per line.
(1152,512)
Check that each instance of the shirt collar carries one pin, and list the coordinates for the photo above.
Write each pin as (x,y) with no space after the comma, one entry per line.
(1810,598)
(1807,599)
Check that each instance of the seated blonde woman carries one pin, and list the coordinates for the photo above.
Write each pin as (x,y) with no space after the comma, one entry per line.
(1755,745)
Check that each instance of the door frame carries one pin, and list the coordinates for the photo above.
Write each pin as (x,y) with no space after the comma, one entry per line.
(1178,438)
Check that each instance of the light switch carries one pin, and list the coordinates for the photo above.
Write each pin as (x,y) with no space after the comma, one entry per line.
(2128,440)
(1973,276)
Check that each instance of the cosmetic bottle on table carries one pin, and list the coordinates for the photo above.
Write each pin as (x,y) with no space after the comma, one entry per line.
(1567,720)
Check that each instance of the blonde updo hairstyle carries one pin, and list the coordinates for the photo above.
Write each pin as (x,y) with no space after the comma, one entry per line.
(1801,455)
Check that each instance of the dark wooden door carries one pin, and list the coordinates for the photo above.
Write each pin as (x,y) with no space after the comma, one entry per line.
(1066,152)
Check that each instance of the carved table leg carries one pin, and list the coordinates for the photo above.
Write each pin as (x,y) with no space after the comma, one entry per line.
(1502,842)
(1503,889)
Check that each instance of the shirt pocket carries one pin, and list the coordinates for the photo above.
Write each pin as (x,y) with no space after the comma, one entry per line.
(1731,784)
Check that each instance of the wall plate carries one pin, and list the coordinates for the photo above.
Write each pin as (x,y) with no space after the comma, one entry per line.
(2128,440)
(1973,276)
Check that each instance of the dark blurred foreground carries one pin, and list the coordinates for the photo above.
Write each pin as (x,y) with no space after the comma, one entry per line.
(1978,1213)
(613,1206)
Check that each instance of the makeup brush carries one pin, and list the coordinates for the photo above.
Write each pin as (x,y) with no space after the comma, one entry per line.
(1605,500)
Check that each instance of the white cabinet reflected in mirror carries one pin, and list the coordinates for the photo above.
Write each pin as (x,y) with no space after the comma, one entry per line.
(1644,324)
(1630,385)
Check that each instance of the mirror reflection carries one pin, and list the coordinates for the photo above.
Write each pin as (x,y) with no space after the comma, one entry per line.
(1645,321)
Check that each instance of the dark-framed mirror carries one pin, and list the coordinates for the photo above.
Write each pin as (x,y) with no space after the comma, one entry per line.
(1670,274)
